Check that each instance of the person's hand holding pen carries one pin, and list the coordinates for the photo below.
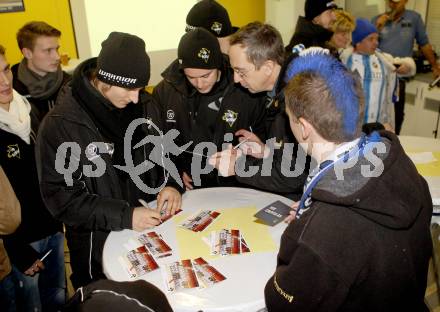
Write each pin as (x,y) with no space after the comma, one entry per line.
(37,266)
(145,217)
(252,144)
(169,200)
(224,161)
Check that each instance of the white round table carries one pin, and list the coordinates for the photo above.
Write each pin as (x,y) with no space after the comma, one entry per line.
(414,145)
(246,274)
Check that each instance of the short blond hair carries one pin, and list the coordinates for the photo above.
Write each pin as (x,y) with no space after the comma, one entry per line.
(344,22)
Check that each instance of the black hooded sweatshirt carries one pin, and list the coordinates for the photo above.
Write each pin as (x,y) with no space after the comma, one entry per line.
(363,245)
(309,34)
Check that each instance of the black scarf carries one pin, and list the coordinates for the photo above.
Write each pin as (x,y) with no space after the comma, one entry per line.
(112,122)
(39,87)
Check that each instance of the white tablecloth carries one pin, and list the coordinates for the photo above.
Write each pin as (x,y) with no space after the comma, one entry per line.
(413,144)
(247,274)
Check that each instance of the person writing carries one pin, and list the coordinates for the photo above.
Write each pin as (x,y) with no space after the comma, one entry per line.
(93,113)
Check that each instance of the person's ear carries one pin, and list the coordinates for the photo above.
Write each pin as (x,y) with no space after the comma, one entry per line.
(306,128)
(268,67)
(27,53)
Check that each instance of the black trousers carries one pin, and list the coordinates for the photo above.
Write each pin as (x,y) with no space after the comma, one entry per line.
(399,107)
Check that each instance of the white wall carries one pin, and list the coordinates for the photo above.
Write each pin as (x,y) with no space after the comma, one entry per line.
(371,8)
(159,23)
(283,14)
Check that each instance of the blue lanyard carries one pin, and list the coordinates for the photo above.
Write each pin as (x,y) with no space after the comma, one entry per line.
(364,140)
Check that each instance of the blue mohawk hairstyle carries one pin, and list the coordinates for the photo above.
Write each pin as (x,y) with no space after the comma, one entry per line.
(339,81)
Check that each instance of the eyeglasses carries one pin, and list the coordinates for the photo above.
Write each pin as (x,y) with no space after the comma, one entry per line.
(242,73)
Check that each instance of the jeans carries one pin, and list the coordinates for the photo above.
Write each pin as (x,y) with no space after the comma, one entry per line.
(46,290)
(7,293)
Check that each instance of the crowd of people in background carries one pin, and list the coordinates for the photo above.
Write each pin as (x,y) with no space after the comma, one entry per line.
(340,81)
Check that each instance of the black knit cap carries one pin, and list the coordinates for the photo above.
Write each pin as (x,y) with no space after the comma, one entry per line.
(211,16)
(313,8)
(199,48)
(123,61)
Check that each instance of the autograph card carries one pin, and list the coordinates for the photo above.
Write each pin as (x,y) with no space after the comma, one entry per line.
(165,217)
(228,242)
(155,244)
(180,275)
(244,246)
(206,273)
(138,262)
(274,213)
(200,220)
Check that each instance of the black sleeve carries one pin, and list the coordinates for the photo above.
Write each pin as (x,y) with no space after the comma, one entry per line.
(305,283)
(74,204)
(155,113)
(258,118)
(272,176)
(20,253)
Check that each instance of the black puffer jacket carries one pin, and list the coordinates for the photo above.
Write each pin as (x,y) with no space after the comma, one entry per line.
(90,207)
(363,245)
(208,117)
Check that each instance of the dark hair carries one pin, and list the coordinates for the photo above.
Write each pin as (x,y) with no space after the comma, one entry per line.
(262,42)
(27,35)
(2,50)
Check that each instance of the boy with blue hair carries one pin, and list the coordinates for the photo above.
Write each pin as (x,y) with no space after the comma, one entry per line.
(362,225)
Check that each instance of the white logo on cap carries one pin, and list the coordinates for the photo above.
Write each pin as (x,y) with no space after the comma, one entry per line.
(204,54)
(331,4)
(115,78)
(217,27)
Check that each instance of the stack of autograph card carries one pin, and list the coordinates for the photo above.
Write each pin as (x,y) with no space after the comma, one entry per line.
(200,220)
(206,273)
(138,262)
(187,274)
(155,244)
(142,260)
(228,242)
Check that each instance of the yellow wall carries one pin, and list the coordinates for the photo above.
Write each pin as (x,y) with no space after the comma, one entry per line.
(53,12)
(242,12)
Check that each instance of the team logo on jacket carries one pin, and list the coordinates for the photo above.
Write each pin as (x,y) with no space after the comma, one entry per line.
(204,54)
(170,115)
(230,117)
(217,27)
(91,151)
(13,151)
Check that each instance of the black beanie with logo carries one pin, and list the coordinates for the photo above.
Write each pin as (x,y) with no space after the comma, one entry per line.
(313,8)
(211,16)
(199,48)
(123,61)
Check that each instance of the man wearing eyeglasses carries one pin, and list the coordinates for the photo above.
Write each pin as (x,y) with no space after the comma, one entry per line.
(257,57)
